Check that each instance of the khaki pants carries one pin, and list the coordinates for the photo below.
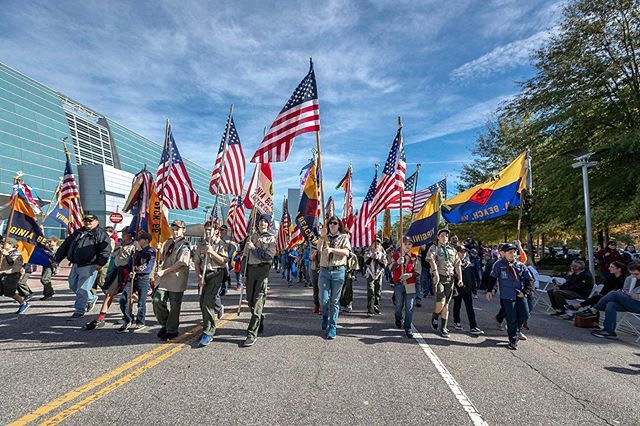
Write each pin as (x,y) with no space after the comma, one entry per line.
(166,307)
(256,286)
(45,279)
(212,282)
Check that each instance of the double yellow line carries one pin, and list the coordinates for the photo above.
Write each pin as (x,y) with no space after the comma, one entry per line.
(176,345)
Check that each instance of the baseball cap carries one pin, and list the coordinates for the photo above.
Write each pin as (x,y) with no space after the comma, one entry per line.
(179,223)
(444,230)
(265,217)
(507,247)
(89,217)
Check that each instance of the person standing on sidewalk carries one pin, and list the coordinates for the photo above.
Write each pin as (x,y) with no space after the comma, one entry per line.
(211,262)
(405,271)
(88,250)
(261,247)
(49,271)
(334,249)
(10,264)
(376,262)
(143,261)
(445,266)
(171,282)
(515,283)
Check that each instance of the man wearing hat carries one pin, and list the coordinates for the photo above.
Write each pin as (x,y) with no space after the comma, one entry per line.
(171,281)
(210,259)
(88,250)
(261,248)
(515,283)
(10,264)
(445,268)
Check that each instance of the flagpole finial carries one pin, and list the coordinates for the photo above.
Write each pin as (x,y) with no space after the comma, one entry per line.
(399,121)
(311,62)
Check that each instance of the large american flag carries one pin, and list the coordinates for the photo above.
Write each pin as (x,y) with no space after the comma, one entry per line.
(300,115)
(70,197)
(364,230)
(284,233)
(296,238)
(392,180)
(236,220)
(407,195)
(173,183)
(423,195)
(228,172)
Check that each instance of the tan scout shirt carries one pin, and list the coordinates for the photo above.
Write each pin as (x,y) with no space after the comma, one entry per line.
(11,263)
(265,244)
(174,252)
(219,246)
(445,263)
(123,253)
(340,241)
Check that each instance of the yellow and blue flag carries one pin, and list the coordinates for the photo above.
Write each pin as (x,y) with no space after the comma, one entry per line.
(309,208)
(425,225)
(144,204)
(26,230)
(490,199)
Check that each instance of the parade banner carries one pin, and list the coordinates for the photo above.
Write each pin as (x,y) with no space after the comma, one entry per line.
(425,224)
(260,193)
(308,210)
(60,214)
(490,199)
(26,230)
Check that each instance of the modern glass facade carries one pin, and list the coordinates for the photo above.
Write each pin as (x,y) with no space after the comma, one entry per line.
(33,121)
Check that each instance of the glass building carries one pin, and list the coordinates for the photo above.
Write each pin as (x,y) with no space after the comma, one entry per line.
(34,121)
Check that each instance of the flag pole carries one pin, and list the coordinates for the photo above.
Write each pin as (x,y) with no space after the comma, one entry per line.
(55,194)
(400,231)
(164,167)
(133,261)
(415,187)
(518,231)
(16,181)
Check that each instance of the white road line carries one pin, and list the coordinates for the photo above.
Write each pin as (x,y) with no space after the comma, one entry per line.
(8,319)
(448,378)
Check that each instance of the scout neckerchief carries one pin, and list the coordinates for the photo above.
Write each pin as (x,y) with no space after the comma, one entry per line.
(332,239)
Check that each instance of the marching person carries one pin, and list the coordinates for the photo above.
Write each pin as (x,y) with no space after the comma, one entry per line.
(376,262)
(143,261)
(445,264)
(23,284)
(210,259)
(171,282)
(116,278)
(514,281)
(231,249)
(10,264)
(334,249)
(464,293)
(314,265)
(49,271)
(405,271)
(261,248)
(87,250)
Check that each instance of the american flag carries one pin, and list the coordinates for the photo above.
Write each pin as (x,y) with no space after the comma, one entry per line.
(300,115)
(392,180)
(364,230)
(228,172)
(236,221)
(284,233)
(425,194)
(173,183)
(70,197)
(407,195)
(296,238)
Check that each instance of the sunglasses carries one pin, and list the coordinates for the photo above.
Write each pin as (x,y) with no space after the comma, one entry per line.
(333,223)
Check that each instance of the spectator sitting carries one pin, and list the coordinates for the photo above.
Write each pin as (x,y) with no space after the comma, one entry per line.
(606,256)
(630,254)
(578,286)
(626,300)
(617,280)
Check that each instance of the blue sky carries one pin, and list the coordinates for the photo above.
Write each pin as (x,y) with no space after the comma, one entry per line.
(444,66)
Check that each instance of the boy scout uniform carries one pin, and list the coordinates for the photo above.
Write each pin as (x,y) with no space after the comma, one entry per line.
(121,257)
(258,265)
(167,300)
(213,277)
(10,266)
(446,259)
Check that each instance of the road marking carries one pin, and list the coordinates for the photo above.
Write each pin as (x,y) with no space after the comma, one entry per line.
(448,378)
(8,319)
(71,395)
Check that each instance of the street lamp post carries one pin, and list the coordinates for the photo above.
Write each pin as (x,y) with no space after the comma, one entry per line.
(584,163)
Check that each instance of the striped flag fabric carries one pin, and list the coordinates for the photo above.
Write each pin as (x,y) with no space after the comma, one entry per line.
(392,180)
(70,197)
(300,115)
(173,182)
(364,229)
(296,238)
(423,195)
(230,166)
(407,195)
(284,235)
(330,209)
(236,220)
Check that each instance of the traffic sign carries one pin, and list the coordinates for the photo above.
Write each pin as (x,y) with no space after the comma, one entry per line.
(115,218)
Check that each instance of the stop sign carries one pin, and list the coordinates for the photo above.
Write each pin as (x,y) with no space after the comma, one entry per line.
(115,217)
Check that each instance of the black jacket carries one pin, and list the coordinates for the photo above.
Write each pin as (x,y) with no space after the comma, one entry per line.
(581,283)
(85,247)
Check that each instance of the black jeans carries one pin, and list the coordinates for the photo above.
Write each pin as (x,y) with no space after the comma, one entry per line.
(517,313)
(468,305)
(558,298)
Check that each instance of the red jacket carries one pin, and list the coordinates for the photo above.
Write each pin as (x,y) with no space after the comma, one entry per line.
(409,267)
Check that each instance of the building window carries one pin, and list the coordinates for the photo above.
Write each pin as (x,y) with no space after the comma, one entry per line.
(91,143)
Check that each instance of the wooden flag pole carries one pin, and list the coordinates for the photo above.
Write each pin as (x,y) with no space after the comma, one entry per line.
(16,181)
(320,177)
(400,232)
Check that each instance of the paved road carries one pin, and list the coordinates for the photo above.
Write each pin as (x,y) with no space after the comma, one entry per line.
(53,371)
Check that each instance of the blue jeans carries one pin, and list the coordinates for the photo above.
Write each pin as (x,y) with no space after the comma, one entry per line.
(81,279)
(403,300)
(141,285)
(517,313)
(423,286)
(614,302)
(330,283)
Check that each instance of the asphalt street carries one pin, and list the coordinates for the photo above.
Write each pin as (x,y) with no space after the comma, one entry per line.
(53,371)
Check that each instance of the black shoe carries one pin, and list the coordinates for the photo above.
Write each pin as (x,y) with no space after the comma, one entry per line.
(249,341)
(605,334)
(409,334)
(444,333)
(94,324)
(28,297)
(261,326)
(170,336)
(47,297)
(557,313)
(435,323)
(162,333)
(398,323)
(513,345)
(418,304)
